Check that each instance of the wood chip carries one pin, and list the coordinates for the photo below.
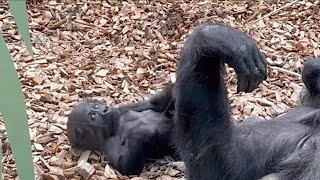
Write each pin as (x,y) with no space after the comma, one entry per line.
(121,52)
(86,169)
(84,156)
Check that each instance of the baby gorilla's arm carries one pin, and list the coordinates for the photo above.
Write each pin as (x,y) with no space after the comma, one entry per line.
(160,102)
(127,156)
(141,135)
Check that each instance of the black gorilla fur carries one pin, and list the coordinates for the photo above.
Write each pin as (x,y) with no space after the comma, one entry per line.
(126,135)
(209,143)
(215,148)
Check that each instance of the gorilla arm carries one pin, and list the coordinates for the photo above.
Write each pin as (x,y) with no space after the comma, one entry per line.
(141,135)
(160,102)
(210,144)
(204,132)
(127,156)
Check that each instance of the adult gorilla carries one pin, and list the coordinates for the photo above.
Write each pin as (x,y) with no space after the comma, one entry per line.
(210,144)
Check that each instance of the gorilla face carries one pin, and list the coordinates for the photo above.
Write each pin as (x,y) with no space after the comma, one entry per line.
(91,122)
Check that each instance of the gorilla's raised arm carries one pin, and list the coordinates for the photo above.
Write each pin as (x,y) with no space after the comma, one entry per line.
(204,132)
(159,102)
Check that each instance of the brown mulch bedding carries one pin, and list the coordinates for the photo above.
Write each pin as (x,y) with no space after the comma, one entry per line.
(121,51)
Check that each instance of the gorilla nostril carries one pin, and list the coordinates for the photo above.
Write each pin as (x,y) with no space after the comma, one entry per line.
(105,110)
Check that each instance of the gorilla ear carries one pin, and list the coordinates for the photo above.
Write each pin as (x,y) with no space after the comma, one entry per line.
(79,132)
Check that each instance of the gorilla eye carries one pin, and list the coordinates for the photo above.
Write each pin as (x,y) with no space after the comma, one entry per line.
(92,117)
(95,106)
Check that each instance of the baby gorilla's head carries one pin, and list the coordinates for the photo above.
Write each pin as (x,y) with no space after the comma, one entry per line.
(90,123)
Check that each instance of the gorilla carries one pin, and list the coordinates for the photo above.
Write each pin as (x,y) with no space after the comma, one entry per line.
(210,144)
(127,135)
(215,148)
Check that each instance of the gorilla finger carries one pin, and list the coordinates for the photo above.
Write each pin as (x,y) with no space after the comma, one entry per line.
(243,80)
(262,65)
(255,76)
(253,83)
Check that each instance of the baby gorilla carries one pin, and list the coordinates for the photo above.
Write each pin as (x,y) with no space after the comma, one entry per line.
(126,135)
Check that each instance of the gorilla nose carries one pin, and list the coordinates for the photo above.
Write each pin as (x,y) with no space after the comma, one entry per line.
(105,110)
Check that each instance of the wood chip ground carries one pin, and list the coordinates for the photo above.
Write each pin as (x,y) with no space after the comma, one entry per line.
(122,51)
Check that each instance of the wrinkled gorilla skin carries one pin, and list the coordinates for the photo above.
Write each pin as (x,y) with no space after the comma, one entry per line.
(126,135)
(210,144)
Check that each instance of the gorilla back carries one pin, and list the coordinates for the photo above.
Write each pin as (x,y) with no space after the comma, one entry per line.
(209,143)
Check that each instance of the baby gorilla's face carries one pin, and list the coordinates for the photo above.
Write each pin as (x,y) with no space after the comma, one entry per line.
(90,123)
(92,112)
